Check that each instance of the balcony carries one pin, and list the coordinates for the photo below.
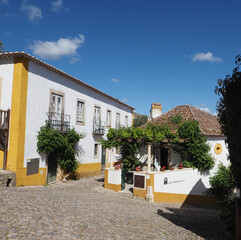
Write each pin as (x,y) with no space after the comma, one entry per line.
(59,122)
(99,128)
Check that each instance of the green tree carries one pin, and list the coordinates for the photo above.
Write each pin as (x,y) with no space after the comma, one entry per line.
(51,141)
(1,47)
(229,113)
(140,120)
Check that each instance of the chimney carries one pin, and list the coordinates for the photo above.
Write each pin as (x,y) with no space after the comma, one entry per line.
(156,110)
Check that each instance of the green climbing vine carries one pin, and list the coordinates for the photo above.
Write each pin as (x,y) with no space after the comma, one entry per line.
(194,150)
(50,141)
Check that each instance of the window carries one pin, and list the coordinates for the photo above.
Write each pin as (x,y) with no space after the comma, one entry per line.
(117,120)
(126,121)
(96,150)
(108,118)
(97,115)
(80,112)
(56,104)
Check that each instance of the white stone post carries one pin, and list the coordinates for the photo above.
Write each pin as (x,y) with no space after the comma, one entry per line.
(149,158)
(111,158)
(149,195)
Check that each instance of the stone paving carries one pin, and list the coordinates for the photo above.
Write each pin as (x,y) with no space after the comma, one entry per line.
(83,209)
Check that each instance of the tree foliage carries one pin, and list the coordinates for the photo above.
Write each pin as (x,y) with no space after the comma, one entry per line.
(140,120)
(50,141)
(222,187)
(194,151)
(1,47)
(229,113)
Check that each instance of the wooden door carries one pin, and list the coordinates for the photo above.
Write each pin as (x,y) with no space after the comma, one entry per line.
(52,167)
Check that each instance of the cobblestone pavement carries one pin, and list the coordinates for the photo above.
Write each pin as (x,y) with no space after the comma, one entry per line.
(83,209)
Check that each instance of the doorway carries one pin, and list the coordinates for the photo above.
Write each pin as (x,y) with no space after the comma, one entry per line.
(52,167)
(164,157)
(103,159)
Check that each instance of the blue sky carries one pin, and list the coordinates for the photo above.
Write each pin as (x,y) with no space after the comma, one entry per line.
(139,51)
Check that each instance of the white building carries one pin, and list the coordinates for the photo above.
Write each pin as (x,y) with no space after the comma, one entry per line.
(35,92)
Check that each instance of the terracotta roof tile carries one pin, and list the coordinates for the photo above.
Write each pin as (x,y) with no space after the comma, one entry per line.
(208,123)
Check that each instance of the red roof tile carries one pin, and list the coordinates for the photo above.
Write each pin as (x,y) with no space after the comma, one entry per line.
(208,123)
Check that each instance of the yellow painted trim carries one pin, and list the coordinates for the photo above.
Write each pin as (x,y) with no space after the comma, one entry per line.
(88,169)
(35,179)
(15,160)
(132,120)
(184,198)
(1,158)
(218,148)
(139,192)
(110,186)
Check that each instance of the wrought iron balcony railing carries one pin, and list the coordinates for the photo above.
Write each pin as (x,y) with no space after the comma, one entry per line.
(60,122)
(99,128)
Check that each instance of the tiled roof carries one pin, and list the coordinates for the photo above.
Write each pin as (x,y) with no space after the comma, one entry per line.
(46,65)
(209,124)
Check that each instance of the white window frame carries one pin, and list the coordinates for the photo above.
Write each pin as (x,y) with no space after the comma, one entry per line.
(78,111)
(108,124)
(96,120)
(57,94)
(116,121)
(126,121)
(97,153)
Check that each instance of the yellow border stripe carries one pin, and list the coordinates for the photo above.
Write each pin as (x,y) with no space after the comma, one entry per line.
(18,117)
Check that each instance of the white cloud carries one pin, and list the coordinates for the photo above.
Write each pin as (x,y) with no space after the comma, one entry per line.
(32,11)
(205,57)
(56,5)
(114,80)
(124,100)
(57,49)
(5,2)
(205,109)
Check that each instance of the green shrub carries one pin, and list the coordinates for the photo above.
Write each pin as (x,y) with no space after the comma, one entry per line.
(222,183)
(222,187)
(51,141)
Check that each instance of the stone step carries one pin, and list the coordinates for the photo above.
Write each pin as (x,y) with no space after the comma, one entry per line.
(7,178)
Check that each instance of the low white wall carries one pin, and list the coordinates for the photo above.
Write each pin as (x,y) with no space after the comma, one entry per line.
(114,176)
(185,181)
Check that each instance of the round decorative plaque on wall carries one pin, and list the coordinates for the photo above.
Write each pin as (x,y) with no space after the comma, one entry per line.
(218,148)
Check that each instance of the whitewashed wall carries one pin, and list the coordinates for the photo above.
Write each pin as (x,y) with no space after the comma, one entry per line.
(6,73)
(185,181)
(40,81)
(219,158)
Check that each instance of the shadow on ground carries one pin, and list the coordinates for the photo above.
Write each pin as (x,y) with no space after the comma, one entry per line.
(203,222)
(100,179)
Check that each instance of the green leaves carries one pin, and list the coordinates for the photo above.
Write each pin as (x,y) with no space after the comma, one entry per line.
(129,140)
(50,140)
(196,149)
(229,112)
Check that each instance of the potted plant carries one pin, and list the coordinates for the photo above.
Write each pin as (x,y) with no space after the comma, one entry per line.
(117,167)
(180,166)
(138,169)
(163,168)
(171,168)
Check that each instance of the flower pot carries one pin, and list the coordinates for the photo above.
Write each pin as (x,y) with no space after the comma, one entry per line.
(117,167)
(171,168)
(180,167)
(162,169)
(138,169)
